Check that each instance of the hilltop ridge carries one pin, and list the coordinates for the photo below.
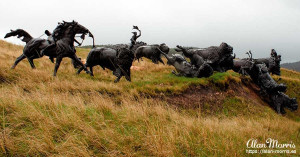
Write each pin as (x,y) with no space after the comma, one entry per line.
(293,66)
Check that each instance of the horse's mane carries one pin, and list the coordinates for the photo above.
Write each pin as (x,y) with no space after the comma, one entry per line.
(60,28)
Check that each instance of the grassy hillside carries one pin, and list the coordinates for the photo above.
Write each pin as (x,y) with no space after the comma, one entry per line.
(293,66)
(157,114)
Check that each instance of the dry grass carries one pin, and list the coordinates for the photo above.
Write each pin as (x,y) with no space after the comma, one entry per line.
(74,115)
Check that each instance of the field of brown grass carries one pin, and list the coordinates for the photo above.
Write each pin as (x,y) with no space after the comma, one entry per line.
(157,114)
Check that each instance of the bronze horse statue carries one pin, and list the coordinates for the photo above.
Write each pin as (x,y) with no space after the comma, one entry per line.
(63,45)
(32,49)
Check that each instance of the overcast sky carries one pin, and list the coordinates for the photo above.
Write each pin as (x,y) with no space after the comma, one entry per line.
(257,25)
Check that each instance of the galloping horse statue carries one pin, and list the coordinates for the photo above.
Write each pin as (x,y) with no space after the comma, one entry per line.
(61,44)
(64,43)
(32,49)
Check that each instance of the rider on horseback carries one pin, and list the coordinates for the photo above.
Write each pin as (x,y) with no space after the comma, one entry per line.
(56,35)
(134,37)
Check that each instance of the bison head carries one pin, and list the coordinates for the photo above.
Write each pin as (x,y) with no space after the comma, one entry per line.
(274,66)
(227,62)
(281,101)
(124,54)
(164,48)
(273,53)
(292,104)
(278,58)
(225,48)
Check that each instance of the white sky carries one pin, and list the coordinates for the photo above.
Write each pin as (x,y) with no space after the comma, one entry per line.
(257,25)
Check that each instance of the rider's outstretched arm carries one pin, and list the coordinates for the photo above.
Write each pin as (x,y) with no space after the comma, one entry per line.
(140,33)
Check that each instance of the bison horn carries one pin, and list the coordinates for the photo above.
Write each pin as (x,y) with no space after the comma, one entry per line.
(234,56)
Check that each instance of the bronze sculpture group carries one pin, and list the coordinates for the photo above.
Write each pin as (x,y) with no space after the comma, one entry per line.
(119,58)
(259,71)
(60,44)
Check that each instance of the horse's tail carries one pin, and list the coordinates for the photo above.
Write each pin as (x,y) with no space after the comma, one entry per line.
(92,36)
(93,42)
(19,33)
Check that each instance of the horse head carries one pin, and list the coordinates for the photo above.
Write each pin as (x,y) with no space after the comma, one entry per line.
(75,28)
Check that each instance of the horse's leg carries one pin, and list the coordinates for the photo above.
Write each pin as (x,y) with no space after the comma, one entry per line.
(18,60)
(30,60)
(51,59)
(76,59)
(79,70)
(57,63)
